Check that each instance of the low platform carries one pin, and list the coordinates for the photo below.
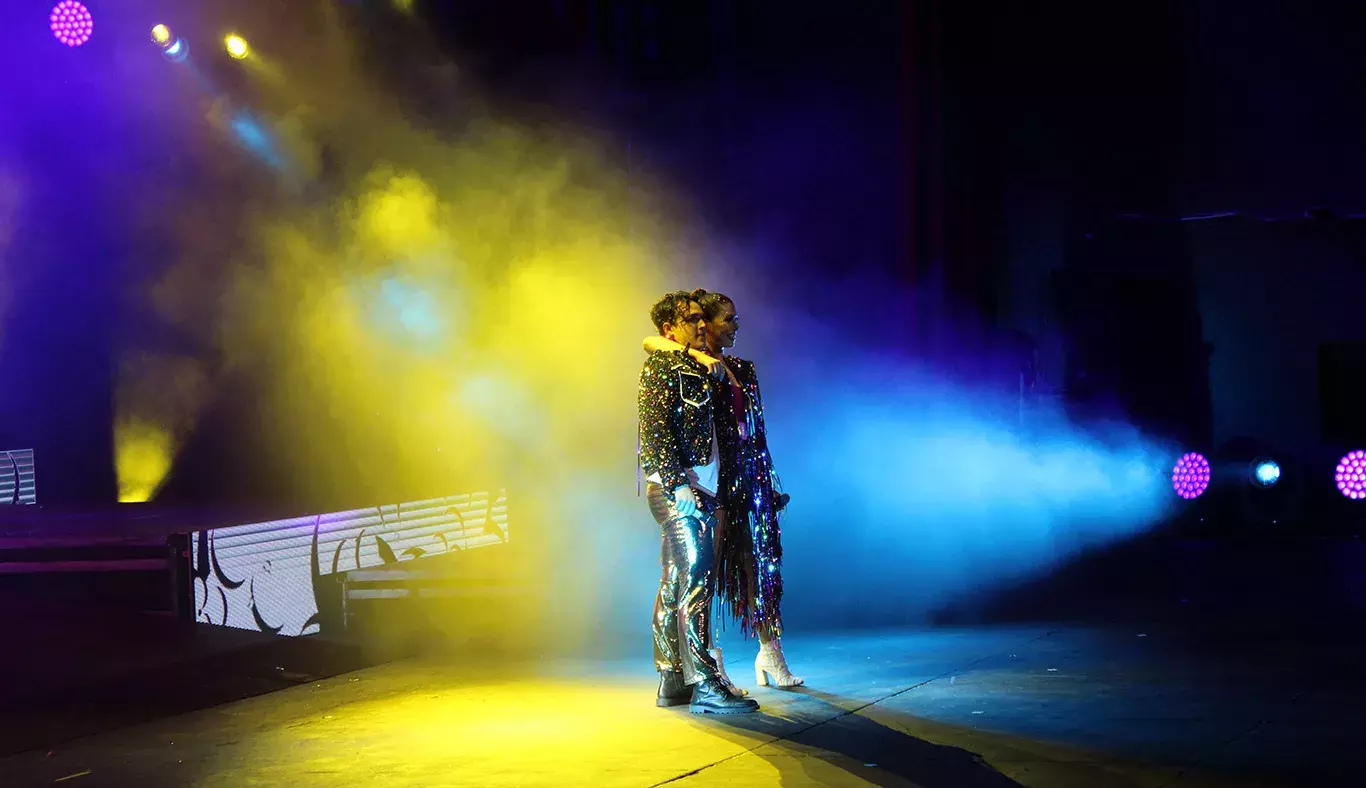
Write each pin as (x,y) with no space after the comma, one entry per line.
(1042,706)
(239,568)
(114,524)
(121,555)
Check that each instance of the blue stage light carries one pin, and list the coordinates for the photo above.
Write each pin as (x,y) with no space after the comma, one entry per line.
(1265,473)
(173,47)
(177,51)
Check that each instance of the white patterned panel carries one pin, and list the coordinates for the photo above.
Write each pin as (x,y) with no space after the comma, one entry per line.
(269,576)
(18,477)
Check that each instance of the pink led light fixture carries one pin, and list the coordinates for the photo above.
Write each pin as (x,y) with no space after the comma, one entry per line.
(72,23)
(1351,475)
(1190,477)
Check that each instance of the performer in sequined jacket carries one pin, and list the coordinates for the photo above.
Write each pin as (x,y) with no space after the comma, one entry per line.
(749,542)
(680,451)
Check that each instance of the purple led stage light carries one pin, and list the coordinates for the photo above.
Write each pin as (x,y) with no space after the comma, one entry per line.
(72,23)
(1351,475)
(1190,477)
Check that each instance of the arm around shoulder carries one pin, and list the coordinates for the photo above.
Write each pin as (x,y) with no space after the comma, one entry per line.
(659,344)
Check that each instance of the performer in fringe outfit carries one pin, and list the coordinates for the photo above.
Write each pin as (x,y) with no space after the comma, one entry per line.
(749,537)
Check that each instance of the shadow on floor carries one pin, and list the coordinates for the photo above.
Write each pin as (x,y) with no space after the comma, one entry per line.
(878,746)
(865,748)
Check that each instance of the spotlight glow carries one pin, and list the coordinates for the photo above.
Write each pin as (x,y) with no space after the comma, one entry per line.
(72,23)
(256,138)
(161,35)
(236,46)
(1190,477)
(1265,473)
(177,51)
(1351,475)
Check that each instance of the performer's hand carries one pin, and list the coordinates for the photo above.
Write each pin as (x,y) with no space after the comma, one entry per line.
(715,366)
(685,500)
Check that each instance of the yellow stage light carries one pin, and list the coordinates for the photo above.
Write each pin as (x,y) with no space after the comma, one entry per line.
(236,46)
(142,459)
(161,34)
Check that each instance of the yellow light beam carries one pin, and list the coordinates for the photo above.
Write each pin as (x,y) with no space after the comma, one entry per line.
(236,46)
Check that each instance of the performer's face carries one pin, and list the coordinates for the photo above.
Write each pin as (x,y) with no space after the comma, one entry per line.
(690,331)
(722,328)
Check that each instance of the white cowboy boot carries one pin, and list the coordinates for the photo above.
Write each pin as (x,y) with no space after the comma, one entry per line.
(770,667)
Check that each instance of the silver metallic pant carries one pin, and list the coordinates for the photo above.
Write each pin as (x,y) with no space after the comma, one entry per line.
(687,583)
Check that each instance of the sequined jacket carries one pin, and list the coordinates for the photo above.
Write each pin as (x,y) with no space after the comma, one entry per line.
(675,404)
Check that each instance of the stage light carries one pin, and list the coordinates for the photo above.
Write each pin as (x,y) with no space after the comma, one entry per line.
(236,46)
(1351,475)
(72,23)
(1190,477)
(173,47)
(1265,473)
(177,51)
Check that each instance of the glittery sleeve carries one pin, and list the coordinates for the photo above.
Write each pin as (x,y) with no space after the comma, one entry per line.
(660,450)
(749,378)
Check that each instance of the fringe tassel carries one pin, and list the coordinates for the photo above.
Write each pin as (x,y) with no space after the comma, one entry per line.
(753,542)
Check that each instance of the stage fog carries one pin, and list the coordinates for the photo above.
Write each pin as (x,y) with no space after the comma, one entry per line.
(331,281)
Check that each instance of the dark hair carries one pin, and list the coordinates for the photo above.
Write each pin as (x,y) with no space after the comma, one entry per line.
(672,308)
(711,303)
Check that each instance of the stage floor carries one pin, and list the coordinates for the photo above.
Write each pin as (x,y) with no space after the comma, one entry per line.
(952,708)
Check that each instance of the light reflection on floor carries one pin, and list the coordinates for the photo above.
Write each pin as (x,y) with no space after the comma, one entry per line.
(972,708)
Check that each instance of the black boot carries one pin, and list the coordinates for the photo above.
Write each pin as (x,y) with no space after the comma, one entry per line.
(672,690)
(710,696)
